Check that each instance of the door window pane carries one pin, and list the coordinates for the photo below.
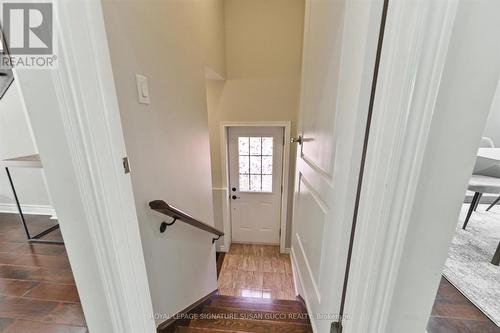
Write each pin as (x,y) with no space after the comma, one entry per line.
(267,146)
(255,183)
(244,165)
(243,146)
(244,183)
(267,183)
(255,156)
(267,165)
(255,146)
(255,165)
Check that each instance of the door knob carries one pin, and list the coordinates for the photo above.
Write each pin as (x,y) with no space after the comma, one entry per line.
(297,140)
(234,197)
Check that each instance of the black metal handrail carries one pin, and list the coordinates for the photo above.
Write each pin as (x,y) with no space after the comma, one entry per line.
(177,214)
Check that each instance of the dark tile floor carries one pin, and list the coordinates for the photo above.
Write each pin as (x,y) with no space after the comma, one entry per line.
(37,289)
(454,313)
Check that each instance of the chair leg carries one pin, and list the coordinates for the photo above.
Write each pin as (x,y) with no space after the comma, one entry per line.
(471,208)
(477,201)
(496,257)
(493,204)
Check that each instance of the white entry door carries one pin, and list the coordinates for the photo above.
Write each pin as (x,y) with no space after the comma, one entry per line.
(255,173)
(340,44)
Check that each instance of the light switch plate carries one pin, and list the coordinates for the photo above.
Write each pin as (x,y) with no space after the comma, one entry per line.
(142,89)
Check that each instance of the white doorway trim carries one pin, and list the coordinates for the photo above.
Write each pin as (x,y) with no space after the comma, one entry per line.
(226,214)
(416,172)
(75,118)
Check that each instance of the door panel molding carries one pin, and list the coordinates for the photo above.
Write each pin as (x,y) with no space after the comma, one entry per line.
(298,275)
(314,229)
(331,181)
(311,279)
(322,204)
(322,63)
(328,176)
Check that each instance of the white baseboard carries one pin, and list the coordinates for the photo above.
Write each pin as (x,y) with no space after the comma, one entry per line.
(286,250)
(28,209)
(296,282)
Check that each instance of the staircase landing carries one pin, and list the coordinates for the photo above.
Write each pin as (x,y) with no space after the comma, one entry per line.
(260,271)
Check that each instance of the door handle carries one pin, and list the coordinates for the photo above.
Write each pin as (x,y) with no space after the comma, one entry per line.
(234,197)
(297,140)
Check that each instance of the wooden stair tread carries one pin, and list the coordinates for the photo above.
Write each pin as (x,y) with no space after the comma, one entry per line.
(256,300)
(264,306)
(239,313)
(254,326)
(185,329)
(228,314)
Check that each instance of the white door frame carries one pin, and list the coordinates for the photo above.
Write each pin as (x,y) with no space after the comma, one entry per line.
(418,34)
(76,122)
(226,213)
(409,205)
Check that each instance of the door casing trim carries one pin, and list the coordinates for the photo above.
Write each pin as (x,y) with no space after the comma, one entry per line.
(87,143)
(389,245)
(381,234)
(226,213)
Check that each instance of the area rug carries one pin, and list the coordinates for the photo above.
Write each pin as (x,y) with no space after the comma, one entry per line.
(468,266)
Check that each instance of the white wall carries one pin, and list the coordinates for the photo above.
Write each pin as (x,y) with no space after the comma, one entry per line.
(213,38)
(212,27)
(263,40)
(167,141)
(492,129)
(16,139)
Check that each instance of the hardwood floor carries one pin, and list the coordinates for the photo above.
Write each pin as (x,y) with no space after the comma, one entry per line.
(37,289)
(38,293)
(258,271)
(454,313)
(244,274)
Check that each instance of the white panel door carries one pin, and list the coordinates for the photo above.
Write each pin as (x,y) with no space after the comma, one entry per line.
(340,40)
(255,170)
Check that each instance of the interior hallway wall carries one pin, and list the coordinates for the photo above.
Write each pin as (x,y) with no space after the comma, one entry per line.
(16,139)
(213,39)
(263,40)
(166,141)
(212,34)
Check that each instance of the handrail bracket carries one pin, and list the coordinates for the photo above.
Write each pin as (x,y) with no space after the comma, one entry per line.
(164,225)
